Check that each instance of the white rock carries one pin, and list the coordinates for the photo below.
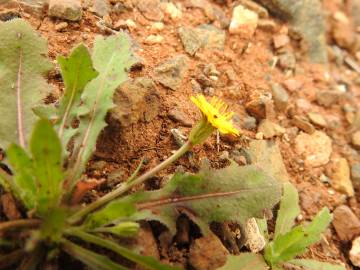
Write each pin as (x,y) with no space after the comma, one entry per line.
(243,22)
(254,239)
(171,10)
(355,252)
(154,39)
(157,27)
(316,148)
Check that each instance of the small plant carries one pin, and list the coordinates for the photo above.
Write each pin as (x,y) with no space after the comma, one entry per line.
(288,241)
(46,159)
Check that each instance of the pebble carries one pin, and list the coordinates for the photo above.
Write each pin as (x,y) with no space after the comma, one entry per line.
(176,115)
(293,85)
(260,10)
(255,241)
(259,136)
(287,61)
(171,10)
(256,108)
(61,26)
(249,123)
(354,253)
(280,96)
(224,155)
(150,9)
(355,173)
(266,25)
(172,72)
(316,148)
(243,22)
(270,129)
(303,124)
(154,39)
(157,27)
(100,7)
(355,139)
(346,223)
(65,9)
(317,119)
(327,98)
(341,177)
(280,40)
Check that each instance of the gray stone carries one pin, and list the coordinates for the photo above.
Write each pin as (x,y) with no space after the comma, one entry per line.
(307,18)
(66,9)
(267,155)
(280,96)
(204,36)
(249,123)
(100,7)
(172,72)
(136,100)
(355,173)
(176,115)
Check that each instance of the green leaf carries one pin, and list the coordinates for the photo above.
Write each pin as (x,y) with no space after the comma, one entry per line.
(144,261)
(23,182)
(286,247)
(245,261)
(316,265)
(22,67)
(234,193)
(112,57)
(289,210)
(123,229)
(46,151)
(77,71)
(91,259)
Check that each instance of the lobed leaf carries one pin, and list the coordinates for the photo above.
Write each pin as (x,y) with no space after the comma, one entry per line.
(76,70)
(308,264)
(112,57)
(245,261)
(22,67)
(289,210)
(286,247)
(231,194)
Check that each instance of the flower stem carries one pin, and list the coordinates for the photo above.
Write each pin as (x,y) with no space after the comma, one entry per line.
(9,225)
(129,184)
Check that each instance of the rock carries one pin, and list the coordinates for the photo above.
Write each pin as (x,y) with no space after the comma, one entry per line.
(243,22)
(176,115)
(157,27)
(33,7)
(270,129)
(327,98)
(172,72)
(287,61)
(260,10)
(267,155)
(355,139)
(249,123)
(317,119)
(171,10)
(307,19)
(136,100)
(154,39)
(292,84)
(267,25)
(303,124)
(204,36)
(341,177)
(61,26)
(280,41)
(355,173)
(255,241)
(354,253)
(315,148)
(207,253)
(280,96)
(256,108)
(346,223)
(151,9)
(355,11)
(342,32)
(66,9)
(100,7)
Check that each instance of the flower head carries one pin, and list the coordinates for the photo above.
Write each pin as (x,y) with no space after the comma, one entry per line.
(215,116)
(216,113)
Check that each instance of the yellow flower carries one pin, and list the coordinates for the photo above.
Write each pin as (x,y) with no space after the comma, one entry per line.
(216,114)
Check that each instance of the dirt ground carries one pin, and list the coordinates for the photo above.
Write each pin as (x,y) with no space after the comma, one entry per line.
(246,70)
